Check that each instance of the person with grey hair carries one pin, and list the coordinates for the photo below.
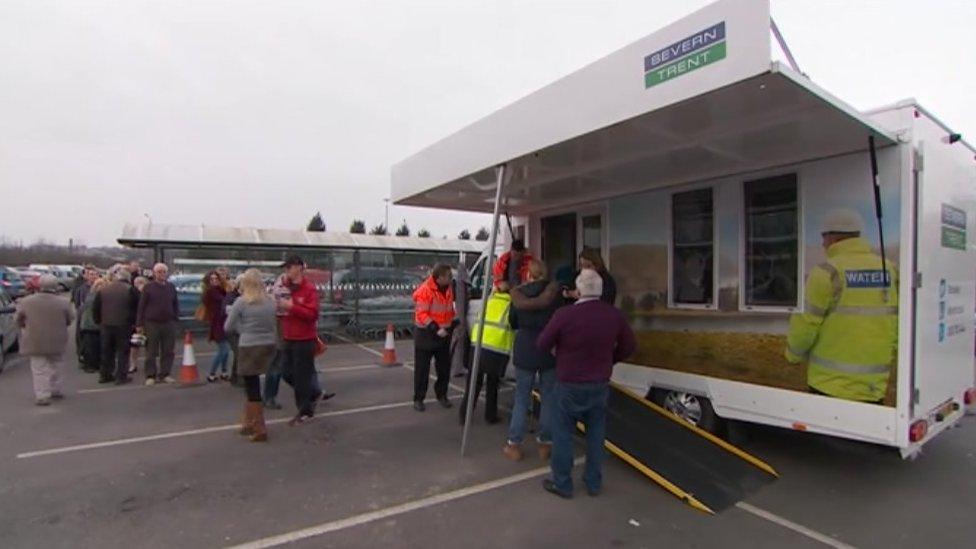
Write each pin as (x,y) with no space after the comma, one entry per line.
(44,319)
(156,316)
(114,310)
(588,337)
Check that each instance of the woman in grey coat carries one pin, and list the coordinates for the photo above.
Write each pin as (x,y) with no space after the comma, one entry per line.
(252,317)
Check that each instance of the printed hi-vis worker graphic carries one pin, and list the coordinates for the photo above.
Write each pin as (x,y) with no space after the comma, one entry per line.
(762,281)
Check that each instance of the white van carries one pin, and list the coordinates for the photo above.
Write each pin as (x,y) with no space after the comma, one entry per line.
(702,171)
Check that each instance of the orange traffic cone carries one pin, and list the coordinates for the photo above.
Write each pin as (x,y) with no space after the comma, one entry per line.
(189,376)
(389,349)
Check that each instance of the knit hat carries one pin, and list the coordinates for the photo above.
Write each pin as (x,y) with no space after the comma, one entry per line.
(48,283)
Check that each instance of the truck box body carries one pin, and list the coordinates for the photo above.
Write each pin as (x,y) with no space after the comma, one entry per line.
(703,172)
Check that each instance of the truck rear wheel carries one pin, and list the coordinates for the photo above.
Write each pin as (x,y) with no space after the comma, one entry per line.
(694,409)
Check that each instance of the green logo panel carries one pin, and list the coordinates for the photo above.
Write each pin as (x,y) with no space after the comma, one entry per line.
(953,238)
(685,65)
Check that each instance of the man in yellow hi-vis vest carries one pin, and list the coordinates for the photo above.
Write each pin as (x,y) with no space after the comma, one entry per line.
(496,346)
(848,330)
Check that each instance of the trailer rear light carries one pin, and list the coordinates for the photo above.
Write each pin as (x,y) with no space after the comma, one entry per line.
(969,397)
(918,430)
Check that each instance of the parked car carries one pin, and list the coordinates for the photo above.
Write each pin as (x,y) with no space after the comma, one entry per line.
(31,278)
(9,331)
(12,282)
(66,279)
(188,288)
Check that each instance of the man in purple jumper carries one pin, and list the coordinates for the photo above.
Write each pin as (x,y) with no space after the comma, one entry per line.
(588,338)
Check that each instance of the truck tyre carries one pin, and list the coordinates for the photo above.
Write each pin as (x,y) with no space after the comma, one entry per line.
(694,409)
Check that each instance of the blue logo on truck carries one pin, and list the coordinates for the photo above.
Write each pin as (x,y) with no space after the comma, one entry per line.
(867,278)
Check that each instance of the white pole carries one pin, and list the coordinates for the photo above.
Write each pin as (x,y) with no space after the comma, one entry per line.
(485,289)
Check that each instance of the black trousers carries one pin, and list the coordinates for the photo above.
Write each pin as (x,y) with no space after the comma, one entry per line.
(252,387)
(299,368)
(491,394)
(115,351)
(421,371)
(91,349)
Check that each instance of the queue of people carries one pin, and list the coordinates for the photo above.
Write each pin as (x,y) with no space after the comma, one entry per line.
(563,340)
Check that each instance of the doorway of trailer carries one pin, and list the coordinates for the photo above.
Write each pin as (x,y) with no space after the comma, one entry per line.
(563,235)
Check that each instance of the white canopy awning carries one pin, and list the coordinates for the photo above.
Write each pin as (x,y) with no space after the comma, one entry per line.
(773,119)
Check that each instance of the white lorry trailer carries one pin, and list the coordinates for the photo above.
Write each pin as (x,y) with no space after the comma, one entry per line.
(702,170)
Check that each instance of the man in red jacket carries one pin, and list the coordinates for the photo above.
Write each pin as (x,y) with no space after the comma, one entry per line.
(512,266)
(300,315)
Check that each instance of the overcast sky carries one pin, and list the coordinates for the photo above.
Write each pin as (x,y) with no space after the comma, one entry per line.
(260,113)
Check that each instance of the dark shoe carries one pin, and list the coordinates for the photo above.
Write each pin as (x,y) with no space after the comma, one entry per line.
(550,487)
(122,381)
(492,420)
(326,396)
(211,378)
(106,379)
(419,405)
(272,404)
(225,377)
(592,493)
(57,396)
(445,403)
(90,370)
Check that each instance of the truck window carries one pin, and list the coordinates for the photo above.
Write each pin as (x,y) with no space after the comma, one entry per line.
(692,247)
(771,242)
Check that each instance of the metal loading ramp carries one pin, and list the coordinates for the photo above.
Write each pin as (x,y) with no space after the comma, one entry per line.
(694,465)
(699,468)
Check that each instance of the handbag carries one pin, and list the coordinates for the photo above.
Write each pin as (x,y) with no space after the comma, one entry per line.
(201,313)
(320,346)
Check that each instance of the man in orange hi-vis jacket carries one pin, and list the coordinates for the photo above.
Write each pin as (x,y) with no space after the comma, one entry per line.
(434,320)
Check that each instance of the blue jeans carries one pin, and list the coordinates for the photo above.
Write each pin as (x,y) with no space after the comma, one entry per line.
(524,380)
(220,359)
(587,403)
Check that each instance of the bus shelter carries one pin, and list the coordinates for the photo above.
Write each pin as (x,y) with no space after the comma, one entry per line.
(365,282)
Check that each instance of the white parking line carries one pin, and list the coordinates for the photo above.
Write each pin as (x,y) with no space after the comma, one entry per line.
(204,430)
(134,386)
(786,523)
(365,518)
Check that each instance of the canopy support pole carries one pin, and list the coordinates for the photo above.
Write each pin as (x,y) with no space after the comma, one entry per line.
(485,290)
(876,187)
(783,46)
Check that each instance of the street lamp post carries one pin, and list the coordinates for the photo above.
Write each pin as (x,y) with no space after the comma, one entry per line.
(386,218)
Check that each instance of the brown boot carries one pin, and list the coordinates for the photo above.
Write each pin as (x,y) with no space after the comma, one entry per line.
(513,451)
(545,450)
(260,430)
(247,421)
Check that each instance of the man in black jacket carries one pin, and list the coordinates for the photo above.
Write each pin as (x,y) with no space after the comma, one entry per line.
(114,310)
(530,362)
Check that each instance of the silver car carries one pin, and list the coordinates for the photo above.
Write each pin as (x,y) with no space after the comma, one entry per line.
(9,331)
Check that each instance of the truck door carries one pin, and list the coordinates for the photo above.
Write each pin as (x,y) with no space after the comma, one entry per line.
(945,243)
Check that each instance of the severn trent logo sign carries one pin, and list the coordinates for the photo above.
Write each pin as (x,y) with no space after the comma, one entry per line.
(702,48)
